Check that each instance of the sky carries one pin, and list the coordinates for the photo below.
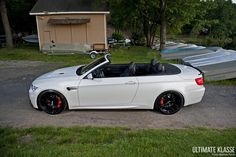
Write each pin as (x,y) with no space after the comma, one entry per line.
(234,1)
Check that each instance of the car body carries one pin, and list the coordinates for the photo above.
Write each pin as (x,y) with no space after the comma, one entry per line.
(102,85)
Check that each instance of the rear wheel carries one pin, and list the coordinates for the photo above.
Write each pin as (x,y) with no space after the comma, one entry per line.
(169,102)
(52,102)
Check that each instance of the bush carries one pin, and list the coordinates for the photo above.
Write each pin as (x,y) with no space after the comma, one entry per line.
(117,36)
(232,44)
(138,39)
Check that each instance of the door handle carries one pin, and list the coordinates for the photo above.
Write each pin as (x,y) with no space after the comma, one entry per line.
(130,83)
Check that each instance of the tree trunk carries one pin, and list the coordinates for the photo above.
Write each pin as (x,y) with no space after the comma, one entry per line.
(163,24)
(6,25)
(149,31)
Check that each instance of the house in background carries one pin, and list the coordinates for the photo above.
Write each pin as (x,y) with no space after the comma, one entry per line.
(70,25)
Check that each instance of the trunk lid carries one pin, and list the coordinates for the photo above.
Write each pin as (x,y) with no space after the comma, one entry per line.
(188,72)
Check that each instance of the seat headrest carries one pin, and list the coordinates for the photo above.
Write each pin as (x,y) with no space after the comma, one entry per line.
(132,68)
(153,62)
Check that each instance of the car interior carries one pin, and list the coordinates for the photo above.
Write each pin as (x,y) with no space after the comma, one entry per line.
(133,69)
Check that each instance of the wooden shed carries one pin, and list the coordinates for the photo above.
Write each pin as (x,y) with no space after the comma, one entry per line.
(70,25)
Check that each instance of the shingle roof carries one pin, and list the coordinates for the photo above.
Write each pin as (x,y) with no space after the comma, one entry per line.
(55,6)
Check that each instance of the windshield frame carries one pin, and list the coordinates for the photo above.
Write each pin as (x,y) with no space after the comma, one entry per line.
(92,65)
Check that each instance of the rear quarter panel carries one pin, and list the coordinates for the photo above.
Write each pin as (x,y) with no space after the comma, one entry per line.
(150,87)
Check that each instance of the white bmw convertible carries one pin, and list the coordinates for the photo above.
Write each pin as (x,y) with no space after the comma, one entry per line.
(102,85)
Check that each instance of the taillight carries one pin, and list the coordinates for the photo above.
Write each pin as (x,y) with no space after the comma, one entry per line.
(199,81)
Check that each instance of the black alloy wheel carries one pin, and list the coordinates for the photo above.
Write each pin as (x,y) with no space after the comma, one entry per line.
(52,102)
(169,102)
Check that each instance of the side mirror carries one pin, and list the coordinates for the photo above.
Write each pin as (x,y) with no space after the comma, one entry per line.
(90,76)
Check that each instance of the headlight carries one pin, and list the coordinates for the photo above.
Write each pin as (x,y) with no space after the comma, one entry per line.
(33,88)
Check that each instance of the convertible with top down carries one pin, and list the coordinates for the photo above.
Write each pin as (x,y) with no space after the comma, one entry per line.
(102,85)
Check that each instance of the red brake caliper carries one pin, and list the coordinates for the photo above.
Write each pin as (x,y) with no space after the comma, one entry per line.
(162,102)
(59,102)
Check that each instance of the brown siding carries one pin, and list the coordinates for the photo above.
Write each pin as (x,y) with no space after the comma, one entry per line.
(62,34)
(79,33)
(90,33)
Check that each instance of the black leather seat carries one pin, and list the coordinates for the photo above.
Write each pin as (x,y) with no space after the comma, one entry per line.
(156,67)
(153,66)
(130,71)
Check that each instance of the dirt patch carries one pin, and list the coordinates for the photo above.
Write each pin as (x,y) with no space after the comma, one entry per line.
(26,139)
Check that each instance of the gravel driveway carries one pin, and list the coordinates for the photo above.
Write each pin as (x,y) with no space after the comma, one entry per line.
(217,110)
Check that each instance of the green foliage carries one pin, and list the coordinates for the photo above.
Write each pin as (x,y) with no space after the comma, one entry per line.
(136,16)
(229,82)
(116,10)
(138,38)
(232,44)
(149,17)
(142,17)
(216,19)
(18,12)
(213,18)
(107,142)
(118,36)
(226,14)
(179,13)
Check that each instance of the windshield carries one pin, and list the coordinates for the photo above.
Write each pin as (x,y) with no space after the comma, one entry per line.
(90,66)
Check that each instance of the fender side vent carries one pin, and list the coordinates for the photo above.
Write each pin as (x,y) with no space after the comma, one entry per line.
(71,88)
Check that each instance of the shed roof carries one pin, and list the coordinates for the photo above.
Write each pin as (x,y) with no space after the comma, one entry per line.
(67,7)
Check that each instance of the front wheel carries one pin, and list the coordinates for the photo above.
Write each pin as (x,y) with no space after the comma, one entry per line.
(169,102)
(52,102)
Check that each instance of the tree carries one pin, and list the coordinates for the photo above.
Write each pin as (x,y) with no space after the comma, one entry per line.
(150,19)
(136,16)
(215,20)
(163,4)
(18,15)
(225,13)
(6,24)
(117,15)
(147,15)
(174,15)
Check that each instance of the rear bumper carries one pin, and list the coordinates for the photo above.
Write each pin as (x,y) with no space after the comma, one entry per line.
(194,96)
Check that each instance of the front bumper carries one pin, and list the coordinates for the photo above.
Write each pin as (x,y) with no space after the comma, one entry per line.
(33,97)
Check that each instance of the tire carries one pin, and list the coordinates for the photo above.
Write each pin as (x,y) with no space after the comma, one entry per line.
(92,55)
(169,102)
(51,102)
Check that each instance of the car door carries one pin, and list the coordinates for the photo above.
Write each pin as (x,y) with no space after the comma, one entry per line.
(115,92)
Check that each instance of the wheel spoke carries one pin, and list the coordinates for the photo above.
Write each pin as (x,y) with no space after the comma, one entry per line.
(170,103)
(51,103)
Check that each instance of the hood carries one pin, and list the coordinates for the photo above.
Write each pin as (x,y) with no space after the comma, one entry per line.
(60,73)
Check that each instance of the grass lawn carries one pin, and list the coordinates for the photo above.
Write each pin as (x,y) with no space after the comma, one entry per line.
(122,55)
(109,142)
(229,82)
